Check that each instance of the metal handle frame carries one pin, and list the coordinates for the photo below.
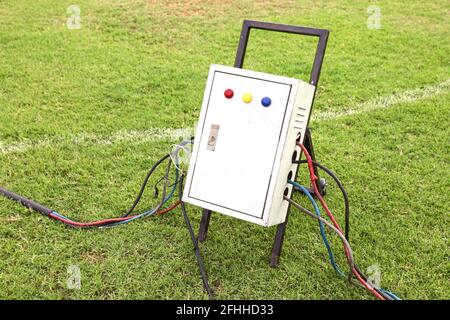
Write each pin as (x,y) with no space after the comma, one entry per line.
(312,32)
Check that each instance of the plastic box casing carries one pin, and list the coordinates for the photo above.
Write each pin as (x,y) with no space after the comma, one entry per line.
(243,151)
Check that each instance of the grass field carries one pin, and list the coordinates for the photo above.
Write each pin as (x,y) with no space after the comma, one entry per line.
(81,111)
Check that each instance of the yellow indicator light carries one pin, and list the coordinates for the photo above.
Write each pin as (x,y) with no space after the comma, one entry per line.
(247,97)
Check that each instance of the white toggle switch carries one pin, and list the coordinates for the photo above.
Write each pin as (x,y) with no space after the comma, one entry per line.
(213,133)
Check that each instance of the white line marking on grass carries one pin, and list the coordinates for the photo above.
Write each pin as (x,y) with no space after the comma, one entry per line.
(408,96)
(156,134)
(152,134)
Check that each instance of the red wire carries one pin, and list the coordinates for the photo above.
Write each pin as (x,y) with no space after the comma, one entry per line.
(313,179)
(88,224)
(173,206)
(101,222)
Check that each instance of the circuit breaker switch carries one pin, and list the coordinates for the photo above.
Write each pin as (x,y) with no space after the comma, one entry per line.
(213,137)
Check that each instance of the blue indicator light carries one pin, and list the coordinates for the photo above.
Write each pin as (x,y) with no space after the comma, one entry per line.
(266,101)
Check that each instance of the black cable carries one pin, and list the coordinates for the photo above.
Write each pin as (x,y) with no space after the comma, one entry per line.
(350,259)
(198,256)
(46,211)
(144,184)
(26,202)
(386,296)
(344,194)
(156,190)
(163,196)
(347,215)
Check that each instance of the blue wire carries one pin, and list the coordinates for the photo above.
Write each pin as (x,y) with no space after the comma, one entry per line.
(146,213)
(393,296)
(321,226)
(324,237)
(61,216)
(151,211)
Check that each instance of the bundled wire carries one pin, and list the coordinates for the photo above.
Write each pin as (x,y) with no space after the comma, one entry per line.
(343,191)
(378,292)
(349,254)
(112,222)
(321,226)
(125,218)
(386,293)
(144,184)
(165,197)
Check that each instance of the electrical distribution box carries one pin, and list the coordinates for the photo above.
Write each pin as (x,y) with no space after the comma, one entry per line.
(244,144)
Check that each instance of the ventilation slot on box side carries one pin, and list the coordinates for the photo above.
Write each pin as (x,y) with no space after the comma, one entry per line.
(300,118)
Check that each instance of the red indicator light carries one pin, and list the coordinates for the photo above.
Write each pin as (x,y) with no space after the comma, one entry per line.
(228,93)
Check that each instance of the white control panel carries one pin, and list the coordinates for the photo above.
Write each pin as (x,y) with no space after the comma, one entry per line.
(245,143)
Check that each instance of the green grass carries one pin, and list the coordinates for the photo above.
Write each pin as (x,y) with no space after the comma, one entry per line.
(136,65)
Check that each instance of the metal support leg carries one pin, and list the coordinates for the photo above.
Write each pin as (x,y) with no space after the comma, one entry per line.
(278,243)
(204,225)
